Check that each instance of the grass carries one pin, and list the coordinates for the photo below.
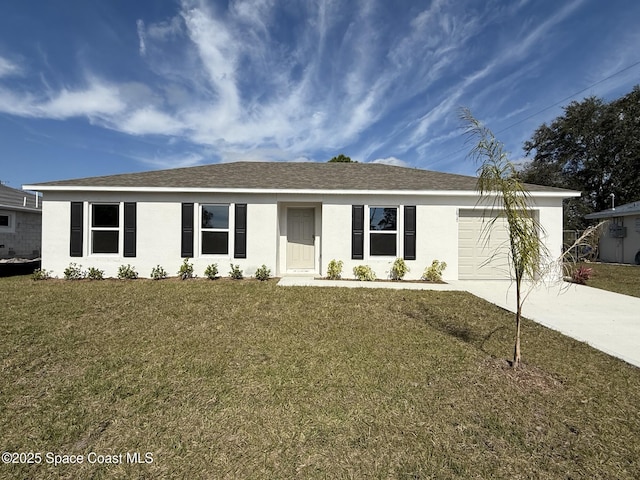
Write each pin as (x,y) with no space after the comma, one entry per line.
(249,380)
(617,278)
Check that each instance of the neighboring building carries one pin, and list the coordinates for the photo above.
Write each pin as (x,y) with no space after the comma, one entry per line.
(620,238)
(292,217)
(20,224)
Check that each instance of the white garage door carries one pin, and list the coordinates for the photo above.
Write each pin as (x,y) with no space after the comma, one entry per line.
(482,255)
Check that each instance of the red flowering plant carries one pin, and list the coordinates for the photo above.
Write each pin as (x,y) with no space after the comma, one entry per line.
(581,275)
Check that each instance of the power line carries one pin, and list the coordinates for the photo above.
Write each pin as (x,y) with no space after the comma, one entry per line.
(557,103)
(569,97)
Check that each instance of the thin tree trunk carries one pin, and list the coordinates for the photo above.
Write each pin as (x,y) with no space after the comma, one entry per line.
(516,348)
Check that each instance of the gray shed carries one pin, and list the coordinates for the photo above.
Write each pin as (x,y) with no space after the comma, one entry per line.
(620,239)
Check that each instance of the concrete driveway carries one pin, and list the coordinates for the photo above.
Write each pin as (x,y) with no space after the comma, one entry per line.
(607,321)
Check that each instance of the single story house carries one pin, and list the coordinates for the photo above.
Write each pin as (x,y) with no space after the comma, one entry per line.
(20,224)
(292,217)
(620,238)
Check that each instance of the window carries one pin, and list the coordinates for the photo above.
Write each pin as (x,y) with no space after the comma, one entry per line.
(215,229)
(7,222)
(383,231)
(105,228)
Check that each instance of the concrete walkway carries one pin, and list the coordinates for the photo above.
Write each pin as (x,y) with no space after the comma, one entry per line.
(607,321)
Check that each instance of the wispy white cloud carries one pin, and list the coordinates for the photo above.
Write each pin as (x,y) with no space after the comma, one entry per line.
(419,135)
(97,100)
(218,52)
(9,68)
(391,161)
(149,120)
(171,160)
(617,67)
(245,89)
(532,38)
(256,13)
(446,110)
(142,37)
(17,104)
(261,154)
(237,82)
(165,30)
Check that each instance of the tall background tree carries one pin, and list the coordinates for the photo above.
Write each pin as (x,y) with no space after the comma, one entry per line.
(594,147)
(341,159)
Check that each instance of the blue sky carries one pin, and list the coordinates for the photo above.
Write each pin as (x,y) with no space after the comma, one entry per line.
(105,87)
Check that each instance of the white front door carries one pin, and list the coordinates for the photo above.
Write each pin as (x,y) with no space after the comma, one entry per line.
(300,238)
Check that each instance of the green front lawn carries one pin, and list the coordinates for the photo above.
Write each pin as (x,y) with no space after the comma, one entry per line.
(617,278)
(224,379)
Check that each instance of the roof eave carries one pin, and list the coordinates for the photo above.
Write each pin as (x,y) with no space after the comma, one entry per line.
(76,188)
(20,209)
(610,214)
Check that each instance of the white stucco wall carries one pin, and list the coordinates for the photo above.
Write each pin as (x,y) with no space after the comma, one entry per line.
(55,235)
(550,217)
(436,234)
(159,231)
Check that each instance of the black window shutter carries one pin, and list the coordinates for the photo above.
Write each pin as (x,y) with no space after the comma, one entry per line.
(240,237)
(187,230)
(75,245)
(357,232)
(130,229)
(409,232)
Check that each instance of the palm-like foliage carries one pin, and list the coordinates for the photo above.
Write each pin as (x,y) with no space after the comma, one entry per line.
(498,184)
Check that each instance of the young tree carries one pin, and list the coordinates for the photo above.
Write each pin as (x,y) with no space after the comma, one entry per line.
(499,185)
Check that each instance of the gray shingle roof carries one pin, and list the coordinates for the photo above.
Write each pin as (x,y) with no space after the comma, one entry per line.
(632,208)
(10,197)
(288,176)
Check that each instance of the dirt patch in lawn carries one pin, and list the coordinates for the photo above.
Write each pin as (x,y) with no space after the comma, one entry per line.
(525,377)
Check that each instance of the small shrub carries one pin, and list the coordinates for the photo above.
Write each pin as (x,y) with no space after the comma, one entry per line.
(364,273)
(263,273)
(186,269)
(95,274)
(334,270)
(581,275)
(73,272)
(127,272)
(211,272)
(434,272)
(399,269)
(41,274)
(235,272)
(158,273)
